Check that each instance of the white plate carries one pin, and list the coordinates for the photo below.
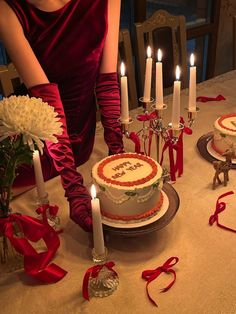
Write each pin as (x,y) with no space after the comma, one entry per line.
(214,154)
(139,223)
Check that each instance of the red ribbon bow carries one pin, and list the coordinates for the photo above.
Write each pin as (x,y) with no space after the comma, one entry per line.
(205,98)
(93,272)
(35,264)
(146,116)
(46,208)
(220,207)
(150,275)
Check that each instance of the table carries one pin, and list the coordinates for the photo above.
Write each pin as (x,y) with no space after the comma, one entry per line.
(206,269)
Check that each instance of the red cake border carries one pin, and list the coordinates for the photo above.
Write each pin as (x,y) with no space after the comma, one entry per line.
(145,215)
(128,183)
(221,119)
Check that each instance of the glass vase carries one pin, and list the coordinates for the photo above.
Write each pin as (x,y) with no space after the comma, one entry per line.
(10,259)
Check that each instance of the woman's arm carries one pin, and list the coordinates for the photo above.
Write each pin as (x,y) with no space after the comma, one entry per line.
(18,48)
(110,51)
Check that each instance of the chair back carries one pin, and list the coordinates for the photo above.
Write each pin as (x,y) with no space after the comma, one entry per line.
(9,79)
(234,41)
(126,55)
(167,32)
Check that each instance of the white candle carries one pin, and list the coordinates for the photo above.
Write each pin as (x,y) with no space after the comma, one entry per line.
(192,85)
(124,95)
(159,81)
(40,185)
(176,101)
(98,239)
(148,76)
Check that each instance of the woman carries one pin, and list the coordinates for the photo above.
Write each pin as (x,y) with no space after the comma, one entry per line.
(63,50)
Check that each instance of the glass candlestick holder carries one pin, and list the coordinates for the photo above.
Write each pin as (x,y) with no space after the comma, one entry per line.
(175,132)
(42,200)
(52,219)
(145,103)
(106,280)
(125,126)
(192,115)
(159,110)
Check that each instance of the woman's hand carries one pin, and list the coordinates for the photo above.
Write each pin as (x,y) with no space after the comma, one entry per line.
(80,209)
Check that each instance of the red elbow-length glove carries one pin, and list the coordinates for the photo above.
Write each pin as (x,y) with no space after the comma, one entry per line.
(108,100)
(63,160)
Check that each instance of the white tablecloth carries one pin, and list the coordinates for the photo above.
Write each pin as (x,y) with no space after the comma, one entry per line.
(206,270)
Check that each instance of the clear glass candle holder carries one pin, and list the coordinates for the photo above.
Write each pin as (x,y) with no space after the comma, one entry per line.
(106,281)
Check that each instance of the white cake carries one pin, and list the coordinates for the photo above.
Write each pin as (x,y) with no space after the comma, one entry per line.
(129,186)
(224,134)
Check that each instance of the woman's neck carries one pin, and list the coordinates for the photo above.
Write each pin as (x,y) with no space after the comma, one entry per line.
(49,5)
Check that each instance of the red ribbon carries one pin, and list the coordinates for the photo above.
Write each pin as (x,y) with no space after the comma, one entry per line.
(150,141)
(168,144)
(36,264)
(178,166)
(150,275)
(134,137)
(220,207)
(146,116)
(93,272)
(205,98)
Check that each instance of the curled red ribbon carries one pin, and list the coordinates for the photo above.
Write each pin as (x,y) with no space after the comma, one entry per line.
(36,264)
(205,98)
(220,207)
(93,272)
(150,275)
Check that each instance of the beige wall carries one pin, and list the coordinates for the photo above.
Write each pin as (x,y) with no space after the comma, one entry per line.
(224,52)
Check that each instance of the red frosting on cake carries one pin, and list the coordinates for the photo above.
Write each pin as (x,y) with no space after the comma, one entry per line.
(136,217)
(220,121)
(127,183)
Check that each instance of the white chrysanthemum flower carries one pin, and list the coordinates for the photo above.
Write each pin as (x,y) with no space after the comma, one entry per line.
(31,117)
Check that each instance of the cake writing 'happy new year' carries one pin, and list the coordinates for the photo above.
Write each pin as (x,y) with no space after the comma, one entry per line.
(129,186)
(224,137)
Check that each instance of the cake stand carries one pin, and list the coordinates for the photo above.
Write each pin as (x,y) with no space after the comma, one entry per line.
(173,205)
(205,150)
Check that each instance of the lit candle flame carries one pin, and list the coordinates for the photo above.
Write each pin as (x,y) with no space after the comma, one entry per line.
(192,59)
(122,69)
(149,52)
(93,191)
(159,55)
(177,72)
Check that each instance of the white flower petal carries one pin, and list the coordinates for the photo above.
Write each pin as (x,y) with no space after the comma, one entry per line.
(31,117)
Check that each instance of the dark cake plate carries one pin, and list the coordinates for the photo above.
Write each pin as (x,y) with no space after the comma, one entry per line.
(207,152)
(152,224)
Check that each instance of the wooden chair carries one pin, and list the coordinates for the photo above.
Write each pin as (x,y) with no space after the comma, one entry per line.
(126,55)
(167,32)
(234,41)
(9,79)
